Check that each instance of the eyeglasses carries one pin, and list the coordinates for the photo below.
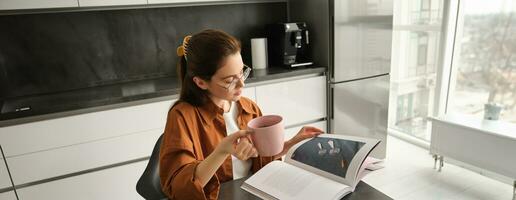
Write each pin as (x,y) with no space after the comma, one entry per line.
(245,73)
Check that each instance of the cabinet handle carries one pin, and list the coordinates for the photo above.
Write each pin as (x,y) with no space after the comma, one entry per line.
(9,172)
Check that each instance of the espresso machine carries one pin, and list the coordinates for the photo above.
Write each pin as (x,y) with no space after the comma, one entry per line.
(288,44)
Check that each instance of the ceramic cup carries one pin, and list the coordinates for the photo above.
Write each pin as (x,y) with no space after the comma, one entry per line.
(268,134)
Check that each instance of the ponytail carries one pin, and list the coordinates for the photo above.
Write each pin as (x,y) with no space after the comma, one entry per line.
(190,92)
(181,69)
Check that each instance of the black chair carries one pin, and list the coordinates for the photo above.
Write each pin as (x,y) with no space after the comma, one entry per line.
(148,185)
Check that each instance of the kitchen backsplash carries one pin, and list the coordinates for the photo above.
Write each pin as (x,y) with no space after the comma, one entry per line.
(55,52)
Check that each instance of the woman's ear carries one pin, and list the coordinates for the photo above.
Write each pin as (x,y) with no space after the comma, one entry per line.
(200,83)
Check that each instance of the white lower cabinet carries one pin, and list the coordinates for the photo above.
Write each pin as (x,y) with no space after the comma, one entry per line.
(7,195)
(82,157)
(291,132)
(45,150)
(298,101)
(47,135)
(5,182)
(113,183)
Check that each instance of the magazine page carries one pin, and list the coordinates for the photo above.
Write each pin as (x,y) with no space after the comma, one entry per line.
(280,180)
(337,157)
(364,170)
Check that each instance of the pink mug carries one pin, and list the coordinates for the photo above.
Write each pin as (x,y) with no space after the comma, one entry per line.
(268,134)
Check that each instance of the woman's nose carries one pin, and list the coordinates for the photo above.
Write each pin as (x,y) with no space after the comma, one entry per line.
(240,83)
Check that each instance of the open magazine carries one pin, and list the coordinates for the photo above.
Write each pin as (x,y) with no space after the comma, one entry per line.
(328,166)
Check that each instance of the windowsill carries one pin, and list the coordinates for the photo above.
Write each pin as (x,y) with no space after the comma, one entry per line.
(495,127)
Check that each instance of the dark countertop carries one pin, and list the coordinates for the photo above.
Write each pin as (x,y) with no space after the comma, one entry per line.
(231,190)
(48,106)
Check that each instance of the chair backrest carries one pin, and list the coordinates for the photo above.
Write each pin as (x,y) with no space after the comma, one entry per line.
(149,186)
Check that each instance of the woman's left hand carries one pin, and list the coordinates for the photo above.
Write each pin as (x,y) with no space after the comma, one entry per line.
(305,133)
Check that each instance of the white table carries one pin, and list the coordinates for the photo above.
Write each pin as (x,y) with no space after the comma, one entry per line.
(487,144)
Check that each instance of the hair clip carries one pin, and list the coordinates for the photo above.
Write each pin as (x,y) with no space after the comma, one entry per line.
(181,50)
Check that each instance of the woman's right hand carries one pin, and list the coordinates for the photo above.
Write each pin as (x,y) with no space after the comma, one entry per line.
(237,144)
(242,149)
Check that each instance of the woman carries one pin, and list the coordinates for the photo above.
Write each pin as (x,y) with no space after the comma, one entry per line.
(208,122)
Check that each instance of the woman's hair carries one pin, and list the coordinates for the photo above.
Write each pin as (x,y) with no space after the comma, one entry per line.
(204,54)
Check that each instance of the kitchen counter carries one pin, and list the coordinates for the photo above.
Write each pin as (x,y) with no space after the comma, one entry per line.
(48,106)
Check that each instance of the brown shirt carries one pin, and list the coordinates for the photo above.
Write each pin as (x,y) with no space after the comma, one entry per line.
(191,134)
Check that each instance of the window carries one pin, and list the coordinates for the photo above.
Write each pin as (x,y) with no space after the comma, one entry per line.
(485,58)
(482,66)
(422,49)
(416,36)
